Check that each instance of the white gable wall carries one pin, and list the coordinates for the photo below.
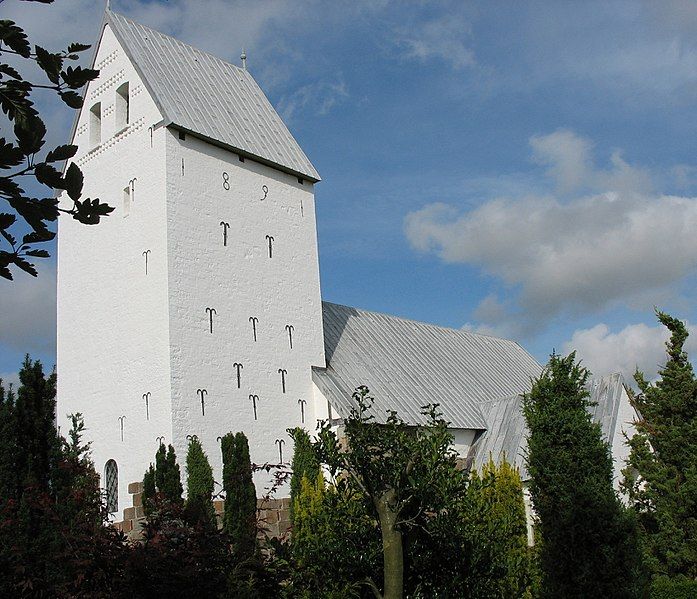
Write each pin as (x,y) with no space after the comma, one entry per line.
(112,339)
(239,280)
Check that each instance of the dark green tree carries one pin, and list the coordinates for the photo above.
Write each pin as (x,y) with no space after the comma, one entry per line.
(22,156)
(240,515)
(661,473)
(166,477)
(497,527)
(53,541)
(589,544)
(305,464)
(199,484)
(149,490)
(407,475)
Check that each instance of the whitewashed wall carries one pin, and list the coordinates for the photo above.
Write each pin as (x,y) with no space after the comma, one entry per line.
(239,280)
(113,319)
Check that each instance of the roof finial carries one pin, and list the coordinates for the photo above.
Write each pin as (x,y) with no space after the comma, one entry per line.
(108,4)
(243,57)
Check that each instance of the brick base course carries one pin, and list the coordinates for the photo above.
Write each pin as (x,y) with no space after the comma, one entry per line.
(273,515)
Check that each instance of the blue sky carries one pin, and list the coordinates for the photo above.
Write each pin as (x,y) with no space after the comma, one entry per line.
(519,169)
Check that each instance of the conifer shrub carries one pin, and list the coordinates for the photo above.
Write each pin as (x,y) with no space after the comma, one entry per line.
(162,482)
(53,538)
(661,473)
(149,490)
(498,531)
(199,484)
(305,465)
(240,515)
(589,541)
(664,587)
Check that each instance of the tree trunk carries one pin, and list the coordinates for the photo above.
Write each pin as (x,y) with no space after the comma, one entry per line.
(392,550)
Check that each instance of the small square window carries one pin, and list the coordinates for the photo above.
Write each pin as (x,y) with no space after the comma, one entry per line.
(182,135)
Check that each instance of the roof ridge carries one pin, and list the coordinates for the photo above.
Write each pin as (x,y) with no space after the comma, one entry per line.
(171,37)
(428,324)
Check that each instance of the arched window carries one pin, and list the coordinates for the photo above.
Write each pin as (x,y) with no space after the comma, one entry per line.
(111,484)
(95,125)
(123,108)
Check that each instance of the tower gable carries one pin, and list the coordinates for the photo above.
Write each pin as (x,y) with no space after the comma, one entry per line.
(210,98)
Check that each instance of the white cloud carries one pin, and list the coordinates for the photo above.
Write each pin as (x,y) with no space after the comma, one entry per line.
(28,306)
(318,98)
(575,255)
(443,39)
(635,346)
(570,161)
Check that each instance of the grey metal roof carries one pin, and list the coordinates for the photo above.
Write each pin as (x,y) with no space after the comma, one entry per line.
(408,364)
(507,432)
(209,97)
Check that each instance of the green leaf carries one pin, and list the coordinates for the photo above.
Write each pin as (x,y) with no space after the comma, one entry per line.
(7,220)
(8,70)
(76,47)
(10,155)
(7,235)
(9,188)
(14,100)
(73,182)
(89,211)
(61,153)
(38,237)
(30,134)
(72,99)
(37,253)
(15,38)
(48,175)
(76,77)
(25,266)
(50,63)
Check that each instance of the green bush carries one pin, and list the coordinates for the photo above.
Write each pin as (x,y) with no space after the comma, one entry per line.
(305,465)
(199,484)
(240,511)
(664,587)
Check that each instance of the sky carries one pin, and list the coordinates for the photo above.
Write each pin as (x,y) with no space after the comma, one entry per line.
(525,170)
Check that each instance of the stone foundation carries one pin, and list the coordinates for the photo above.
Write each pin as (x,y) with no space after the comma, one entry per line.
(273,515)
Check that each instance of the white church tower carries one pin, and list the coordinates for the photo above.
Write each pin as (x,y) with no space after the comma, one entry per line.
(194,308)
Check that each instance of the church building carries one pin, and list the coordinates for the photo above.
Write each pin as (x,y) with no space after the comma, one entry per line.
(195,308)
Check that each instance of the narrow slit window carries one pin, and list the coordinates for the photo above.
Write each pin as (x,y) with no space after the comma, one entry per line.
(126,200)
(111,486)
(96,125)
(123,107)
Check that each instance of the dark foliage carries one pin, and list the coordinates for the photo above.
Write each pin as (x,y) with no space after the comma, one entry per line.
(589,544)
(240,517)
(53,542)
(661,473)
(19,153)
(199,484)
(305,464)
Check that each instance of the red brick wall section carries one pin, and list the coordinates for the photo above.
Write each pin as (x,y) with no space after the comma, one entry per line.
(273,515)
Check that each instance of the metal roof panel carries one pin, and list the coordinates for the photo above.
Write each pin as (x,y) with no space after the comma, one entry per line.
(408,364)
(210,97)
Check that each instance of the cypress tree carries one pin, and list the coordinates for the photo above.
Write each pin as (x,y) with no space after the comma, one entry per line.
(498,530)
(172,481)
(240,517)
(305,465)
(199,483)
(149,490)
(588,539)
(661,473)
